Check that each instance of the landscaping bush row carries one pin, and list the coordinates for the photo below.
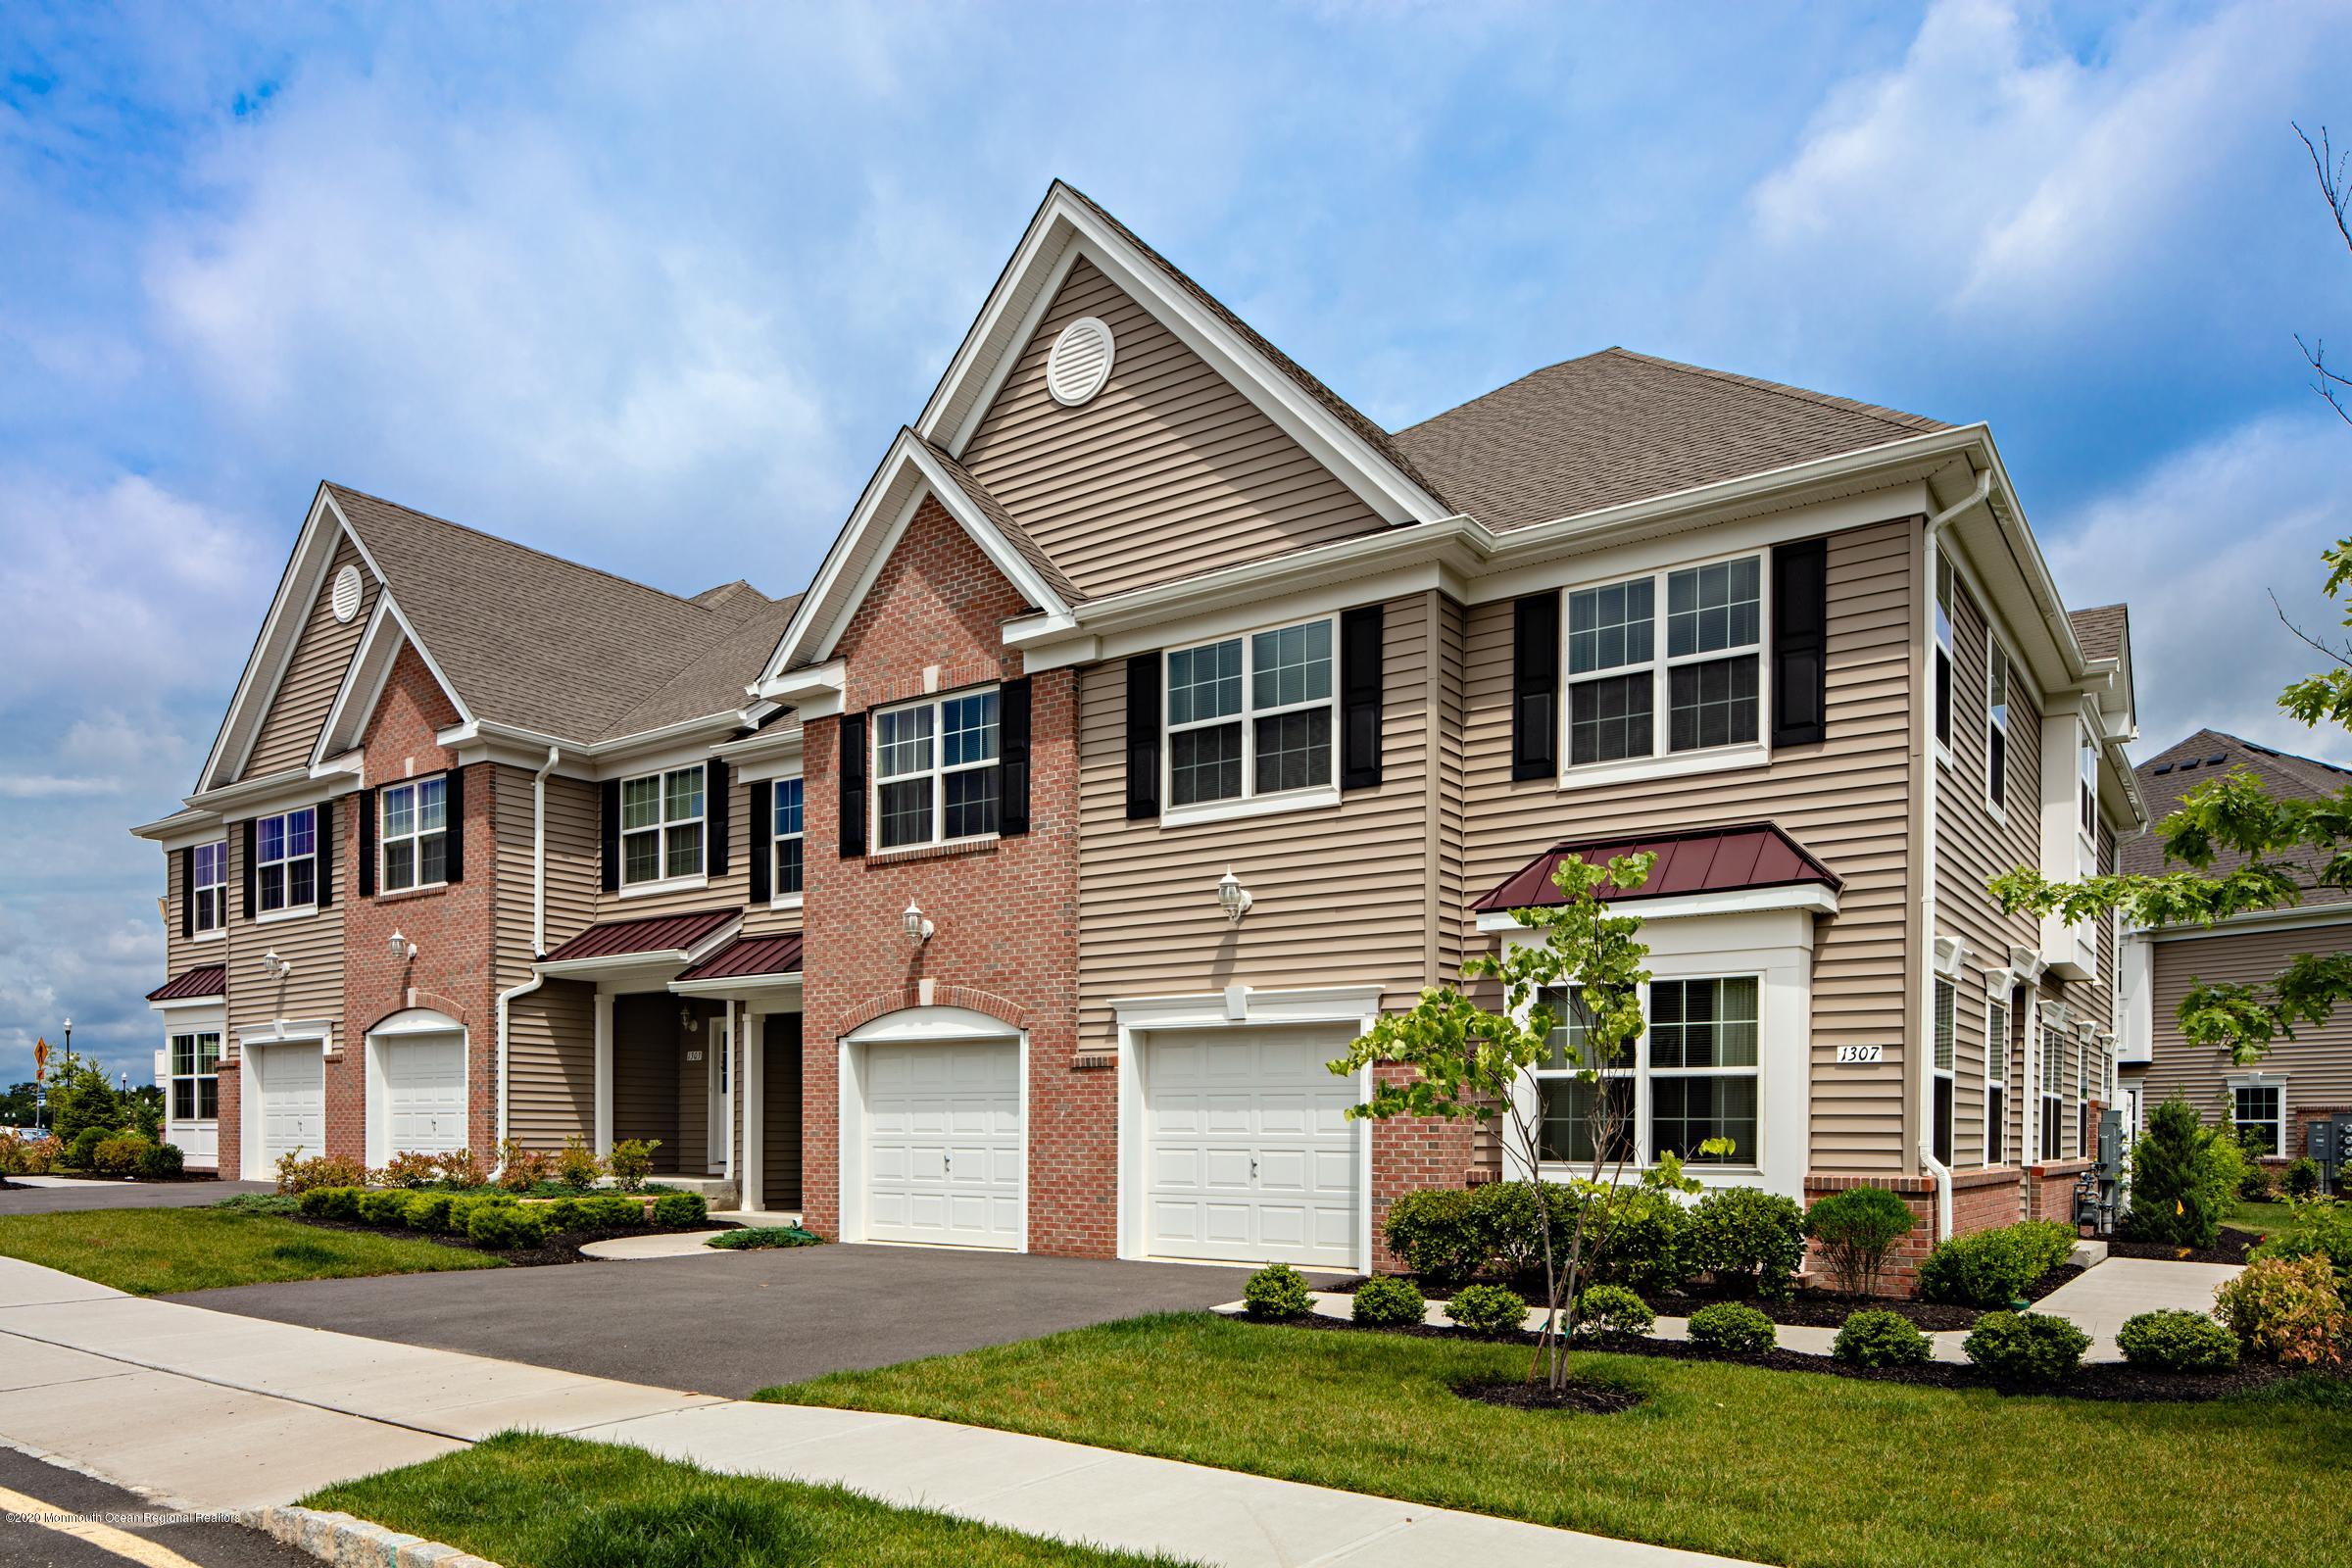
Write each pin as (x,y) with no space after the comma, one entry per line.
(520,1171)
(1636,1237)
(495,1220)
(2299,1180)
(109,1151)
(1993,1268)
(24,1154)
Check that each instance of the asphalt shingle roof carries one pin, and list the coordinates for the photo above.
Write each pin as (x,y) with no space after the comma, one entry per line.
(2210,754)
(2103,631)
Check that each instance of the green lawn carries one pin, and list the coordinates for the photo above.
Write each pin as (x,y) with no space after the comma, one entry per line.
(530,1501)
(1781,1467)
(153,1252)
(2271,1219)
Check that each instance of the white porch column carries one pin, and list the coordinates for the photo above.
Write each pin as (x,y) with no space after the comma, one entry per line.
(734,1083)
(604,1073)
(755,1125)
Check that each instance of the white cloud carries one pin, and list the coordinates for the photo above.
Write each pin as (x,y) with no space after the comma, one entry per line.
(2196,546)
(49,786)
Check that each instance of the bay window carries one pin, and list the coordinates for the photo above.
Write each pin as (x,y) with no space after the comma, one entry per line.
(195,1076)
(1703,1040)
(285,868)
(1701,667)
(787,828)
(1568,1103)
(935,771)
(414,834)
(1251,717)
(207,891)
(662,823)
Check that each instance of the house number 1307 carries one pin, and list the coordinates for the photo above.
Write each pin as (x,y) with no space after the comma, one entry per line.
(1859,1054)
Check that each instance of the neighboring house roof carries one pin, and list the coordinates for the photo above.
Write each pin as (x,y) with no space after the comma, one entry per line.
(658,933)
(2103,631)
(1618,426)
(1709,860)
(2168,776)
(715,681)
(750,956)
(206,980)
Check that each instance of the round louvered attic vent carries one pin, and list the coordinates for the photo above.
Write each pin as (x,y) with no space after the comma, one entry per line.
(1080,362)
(347,593)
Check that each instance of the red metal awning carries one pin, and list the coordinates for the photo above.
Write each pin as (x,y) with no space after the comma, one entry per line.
(747,956)
(660,933)
(208,980)
(1690,861)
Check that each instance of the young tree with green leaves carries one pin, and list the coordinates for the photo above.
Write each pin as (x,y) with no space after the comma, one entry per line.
(1473,1063)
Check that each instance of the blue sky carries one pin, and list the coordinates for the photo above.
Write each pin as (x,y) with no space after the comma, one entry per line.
(653,287)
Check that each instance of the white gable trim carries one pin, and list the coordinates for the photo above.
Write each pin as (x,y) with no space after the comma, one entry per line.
(368,674)
(908,473)
(1065,229)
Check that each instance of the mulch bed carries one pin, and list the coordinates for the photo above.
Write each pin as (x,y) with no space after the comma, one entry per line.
(1808,1307)
(2112,1381)
(2233,1248)
(563,1248)
(1583,1398)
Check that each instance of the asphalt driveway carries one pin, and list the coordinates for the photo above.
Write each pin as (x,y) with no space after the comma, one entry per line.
(17,1198)
(729,1324)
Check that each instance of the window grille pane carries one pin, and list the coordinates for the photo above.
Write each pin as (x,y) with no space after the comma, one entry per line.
(971,802)
(208,1099)
(1610,718)
(432,859)
(433,804)
(684,855)
(788,806)
(903,742)
(399,864)
(1611,626)
(1996,1044)
(1567,1111)
(1204,682)
(1292,665)
(1996,1124)
(640,803)
(788,866)
(1712,704)
(1944,997)
(1294,750)
(400,811)
(1204,765)
(1685,1113)
(184,1054)
(1702,1023)
(967,730)
(641,857)
(183,1100)
(1713,607)
(207,1054)
(682,794)
(273,840)
(1569,1045)
(300,839)
(301,877)
(273,882)
(906,813)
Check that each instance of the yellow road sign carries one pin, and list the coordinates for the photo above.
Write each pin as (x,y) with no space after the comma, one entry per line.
(41,1059)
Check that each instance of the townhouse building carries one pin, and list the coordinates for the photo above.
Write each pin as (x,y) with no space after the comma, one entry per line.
(1155,722)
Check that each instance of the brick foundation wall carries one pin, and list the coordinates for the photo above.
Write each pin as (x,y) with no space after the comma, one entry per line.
(1411,1154)
(2051,1189)
(1981,1199)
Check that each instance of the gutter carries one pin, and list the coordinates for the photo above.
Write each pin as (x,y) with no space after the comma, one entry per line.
(505,999)
(1925,1002)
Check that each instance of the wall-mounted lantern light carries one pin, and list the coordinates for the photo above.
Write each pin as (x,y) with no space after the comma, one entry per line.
(403,949)
(1232,897)
(274,967)
(917,927)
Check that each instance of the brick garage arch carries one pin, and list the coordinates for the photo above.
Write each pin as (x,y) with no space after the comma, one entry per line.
(926,993)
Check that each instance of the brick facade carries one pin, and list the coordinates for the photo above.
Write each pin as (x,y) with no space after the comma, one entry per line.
(1982,1200)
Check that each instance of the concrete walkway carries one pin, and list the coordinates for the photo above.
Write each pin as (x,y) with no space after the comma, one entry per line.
(214,1411)
(673,1243)
(52,1195)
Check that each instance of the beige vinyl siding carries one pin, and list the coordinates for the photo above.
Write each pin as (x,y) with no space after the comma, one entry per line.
(720,892)
(1340,891)
(2317,1063)
(1972,845)
(1168,466)
(572,865)
(314,943)
(182,953)
(551,1053)
(1448,888)
(322,654)
(1845,800)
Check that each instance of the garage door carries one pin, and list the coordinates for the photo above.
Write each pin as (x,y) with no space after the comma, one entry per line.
(943,1143)
(425,1093)
(290,1083)
(1249,1153)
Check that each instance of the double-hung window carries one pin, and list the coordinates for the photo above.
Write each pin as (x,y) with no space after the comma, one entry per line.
(2086,803)
(1944,651)
(2260,1111)
(1687,642)
(935,771)
(2082,1147)
(1996,1080)
(1577,1114)
(207,891)
(285,868)
(786,827)
(195,1076)
(1996,723)
(662,818)
(1947,1069)
(1251,717)
(2053,1091)
(415,834)
(1703,1040)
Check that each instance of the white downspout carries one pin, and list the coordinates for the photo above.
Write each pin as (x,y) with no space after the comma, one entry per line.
(1936,1170)
(538,925)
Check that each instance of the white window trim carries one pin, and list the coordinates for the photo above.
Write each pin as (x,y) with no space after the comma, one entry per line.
(1998,809)
(173,1074)
(1251,802)
(1942,573)
(1943,995)
(288,911)
(1662,763)
(197,930)
(665,883)
(1997,1076)
(2086,834)
(2262,1080)
(777,899)
(385,840)
(1750,1161)
(937,773)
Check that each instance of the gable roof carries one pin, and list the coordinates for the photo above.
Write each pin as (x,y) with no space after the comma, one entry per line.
(1617,427)
(205,980)
(2165,778)
(2103,631)
(1690,861)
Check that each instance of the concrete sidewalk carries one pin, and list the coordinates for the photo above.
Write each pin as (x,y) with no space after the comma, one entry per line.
(215,1411)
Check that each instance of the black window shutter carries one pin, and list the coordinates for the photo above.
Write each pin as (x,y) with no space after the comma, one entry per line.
(453,816)
(1360,697)
(1143,736)
(323,853)
(714,817)
(1013,757)
(762,849)
(249,866)
(611,829)
(367,844)
(187,894)
(1535,686)
(853,785)
(1800,623)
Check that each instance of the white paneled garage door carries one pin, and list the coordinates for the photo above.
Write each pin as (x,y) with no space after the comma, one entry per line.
(943,1143)
(1249,1153)
(289,1084)
(423,1093)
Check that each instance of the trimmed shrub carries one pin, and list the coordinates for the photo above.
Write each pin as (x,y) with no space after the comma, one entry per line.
(2185,1177)
(82,1153)
(1275,1292)
(427,1212)
(409,1169)
(162,1163)
(298,1175)
(1732,1326)
(680,1209)
(1389,1300)
(1487,1309)
(505,1226)
(2026,1347)
(330,1202)
(26,1154)
(1639,1239)
(1748,1236)
(120,1154)
(463,1205)
(387,1205)
(2175,1340)
(462,1169)
(1613,1312)
(2287,1311)
(576,1165)
(521,1169)
(1436,1233)
(1858,1231)
(261,1203)
(1876,1337)
(2302,1177)
(756,1235)
(2325,1230)
(565,1215)
(612,1212)
(1993,1268)
(632,1162)
(2254,1184)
